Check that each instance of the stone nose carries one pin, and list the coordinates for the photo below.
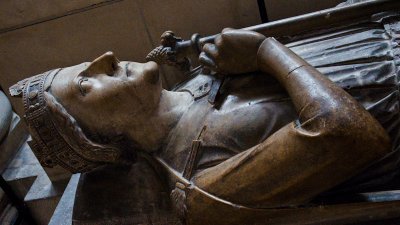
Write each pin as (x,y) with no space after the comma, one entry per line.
(106,63)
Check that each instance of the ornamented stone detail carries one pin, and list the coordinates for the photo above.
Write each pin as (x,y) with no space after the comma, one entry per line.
(68,148)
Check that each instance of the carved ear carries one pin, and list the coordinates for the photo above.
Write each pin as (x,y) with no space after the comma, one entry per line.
(70,131)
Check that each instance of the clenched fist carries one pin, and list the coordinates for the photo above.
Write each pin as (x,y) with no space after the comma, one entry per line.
(233,52)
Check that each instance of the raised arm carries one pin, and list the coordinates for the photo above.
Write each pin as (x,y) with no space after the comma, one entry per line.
(333,139)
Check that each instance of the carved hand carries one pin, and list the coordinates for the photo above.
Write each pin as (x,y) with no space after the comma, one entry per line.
(234,52)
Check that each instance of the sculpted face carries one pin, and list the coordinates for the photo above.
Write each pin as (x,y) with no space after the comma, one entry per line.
(105,94)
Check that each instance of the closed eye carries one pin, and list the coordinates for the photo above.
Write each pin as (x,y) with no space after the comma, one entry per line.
(81,89)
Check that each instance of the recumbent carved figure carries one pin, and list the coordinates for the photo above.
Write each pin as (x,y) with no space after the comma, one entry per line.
(282,132)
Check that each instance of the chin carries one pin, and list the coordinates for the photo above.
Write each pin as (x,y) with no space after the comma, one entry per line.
(151,72)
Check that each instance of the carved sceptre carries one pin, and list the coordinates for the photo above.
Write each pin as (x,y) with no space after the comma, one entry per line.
(175,52)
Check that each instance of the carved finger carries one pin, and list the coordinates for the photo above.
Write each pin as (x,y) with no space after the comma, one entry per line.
(218,40)
(211,50)
(224,37)
(206,61)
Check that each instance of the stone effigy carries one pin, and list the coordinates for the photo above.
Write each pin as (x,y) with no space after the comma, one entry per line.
(266,130)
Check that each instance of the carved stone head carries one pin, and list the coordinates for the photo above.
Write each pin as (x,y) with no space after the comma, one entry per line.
(77,115)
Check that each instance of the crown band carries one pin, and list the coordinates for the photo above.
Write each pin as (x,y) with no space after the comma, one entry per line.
(47,143)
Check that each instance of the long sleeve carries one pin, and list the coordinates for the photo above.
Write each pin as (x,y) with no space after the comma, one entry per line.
(333,139)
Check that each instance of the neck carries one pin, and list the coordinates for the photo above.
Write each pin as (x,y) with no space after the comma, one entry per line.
(151,130)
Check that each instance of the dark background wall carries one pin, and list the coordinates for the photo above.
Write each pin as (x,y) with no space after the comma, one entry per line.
(39,35)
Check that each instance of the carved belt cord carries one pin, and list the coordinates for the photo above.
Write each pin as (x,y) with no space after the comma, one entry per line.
(178,195)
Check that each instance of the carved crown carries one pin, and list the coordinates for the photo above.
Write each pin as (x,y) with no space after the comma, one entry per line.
(56,138)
